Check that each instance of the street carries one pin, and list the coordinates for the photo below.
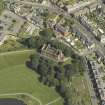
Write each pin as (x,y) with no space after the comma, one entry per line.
(86,33)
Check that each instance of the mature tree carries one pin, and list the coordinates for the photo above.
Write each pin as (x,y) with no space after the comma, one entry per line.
(62,88)
(51,76)
(47,33)
(31,42)
(35,61)
(68,102)
(67,97)
(43,69)
(68,71)
(45,13)
(56,82)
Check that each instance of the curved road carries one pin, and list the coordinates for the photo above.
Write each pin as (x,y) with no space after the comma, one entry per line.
(66,15)
(13,52)
(27,94)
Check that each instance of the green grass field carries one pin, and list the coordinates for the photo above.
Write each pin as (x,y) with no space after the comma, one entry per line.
(79,91)
(16,77)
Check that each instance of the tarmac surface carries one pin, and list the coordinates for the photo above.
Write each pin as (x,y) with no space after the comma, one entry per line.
(11,102)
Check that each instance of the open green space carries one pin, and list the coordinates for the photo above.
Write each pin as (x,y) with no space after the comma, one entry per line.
(77,86)
(16,77)
(79,91)
(11,44)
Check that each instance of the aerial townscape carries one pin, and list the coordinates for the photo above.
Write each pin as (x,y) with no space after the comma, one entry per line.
(52,52)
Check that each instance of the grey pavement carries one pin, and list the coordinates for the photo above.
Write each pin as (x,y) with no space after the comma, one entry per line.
(86,33)
(56,9)
(73,9)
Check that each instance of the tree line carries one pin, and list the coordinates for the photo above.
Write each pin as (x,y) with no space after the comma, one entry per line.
(38,41)
(56,75)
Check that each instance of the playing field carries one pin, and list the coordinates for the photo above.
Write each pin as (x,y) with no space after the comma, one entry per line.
(16,77)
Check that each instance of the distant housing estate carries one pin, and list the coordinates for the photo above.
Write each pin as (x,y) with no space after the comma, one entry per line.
(97,32)
(87,41)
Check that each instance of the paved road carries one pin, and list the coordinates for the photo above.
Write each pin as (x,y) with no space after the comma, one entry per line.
(11,101)
(26,94)
(51,8)
(66,15)
(56,9)
(31,96)
(73,9)
(14,52)
(80,6)
(87,34)
(52,102)
(90,37)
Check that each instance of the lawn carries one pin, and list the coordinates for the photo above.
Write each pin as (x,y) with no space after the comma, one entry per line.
(16,77)
(12,59)
(11,44)
(79,90)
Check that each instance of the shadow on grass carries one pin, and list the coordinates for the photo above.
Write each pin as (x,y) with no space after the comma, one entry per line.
(44,80)
(29,65)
